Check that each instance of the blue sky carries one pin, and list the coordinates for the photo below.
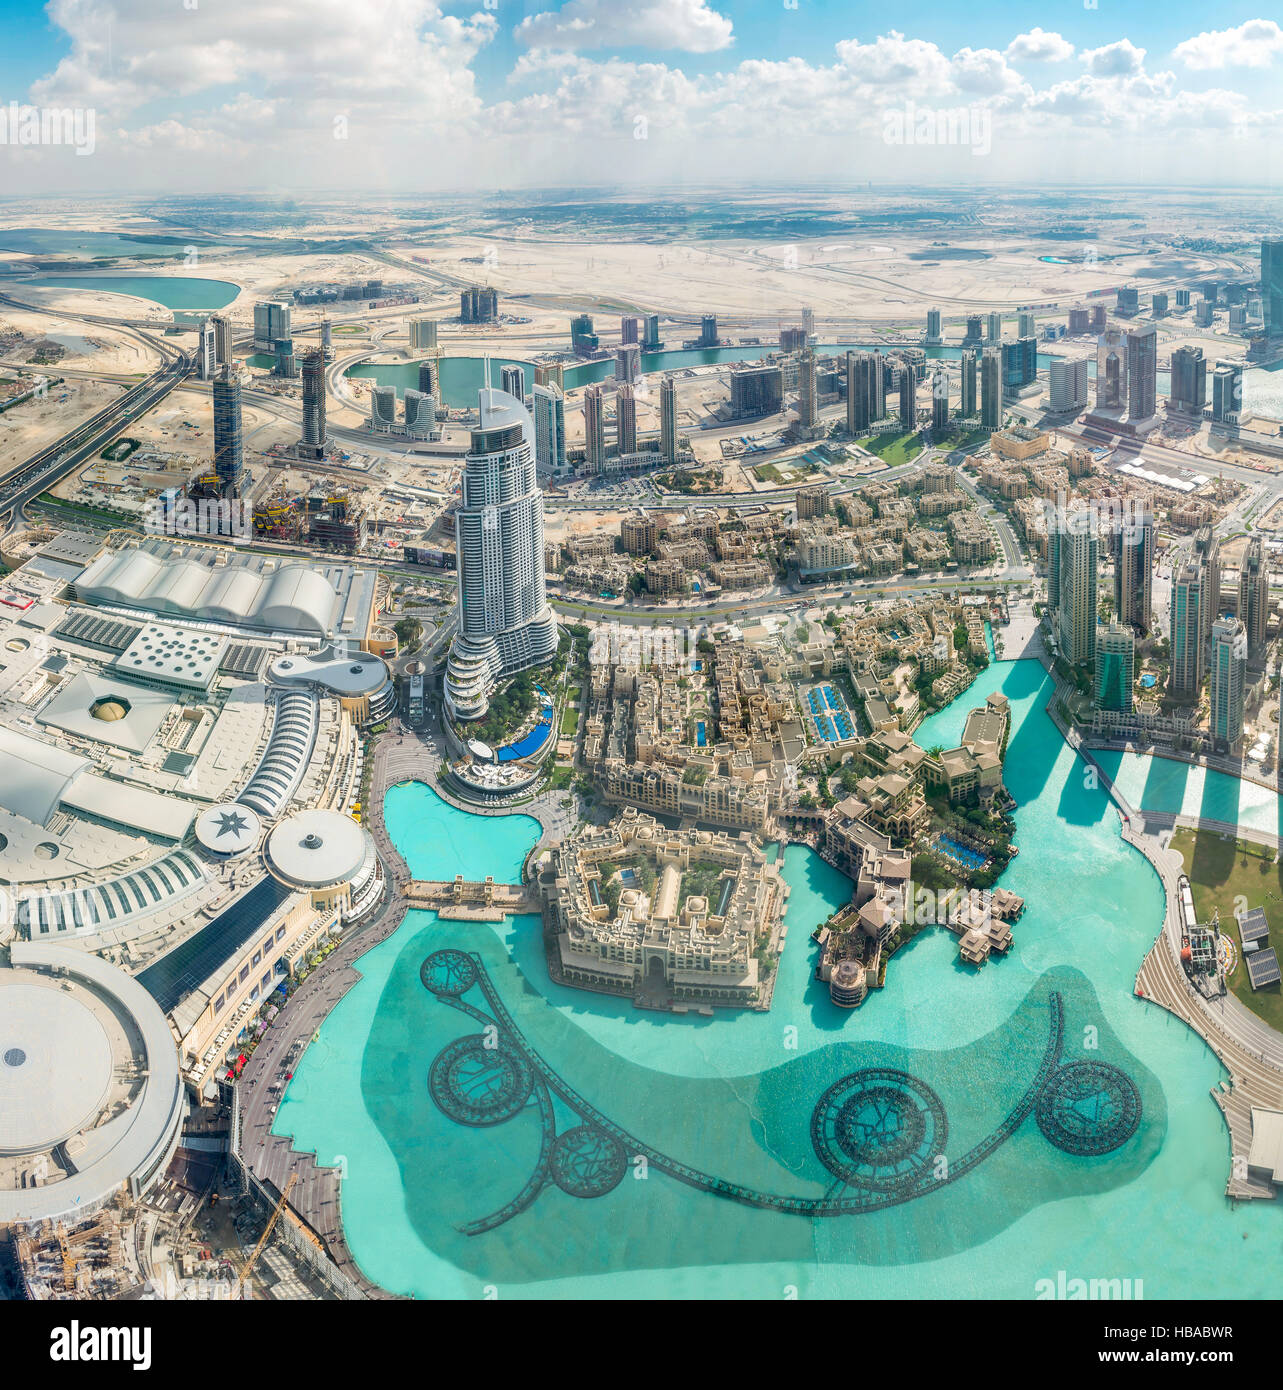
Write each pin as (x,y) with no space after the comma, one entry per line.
(383,93)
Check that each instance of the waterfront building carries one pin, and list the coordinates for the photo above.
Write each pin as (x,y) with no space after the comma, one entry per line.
(628,363)
(933,327)
(271,324)
(512,379)
(668,420)
(1142,371)
(1187,630)
(1068,381)
(420,414)
(582,338)
(594,428)
(628,326)
(383,409)
(550,429)
(1227,392)
(1078,552)
(285,365)
(423,334)
(551,374)
(1227,681)
(708,331)
(428,382)
(504,622)
(793,340)
(974,335)
(1115,667)
(991,389)
(315,439)
(756,391)
(229,460)
(650,342)
(1189,380)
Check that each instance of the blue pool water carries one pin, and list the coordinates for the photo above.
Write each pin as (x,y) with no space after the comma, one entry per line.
(962,853)
(1149,680)
(701,736)
(733,1095)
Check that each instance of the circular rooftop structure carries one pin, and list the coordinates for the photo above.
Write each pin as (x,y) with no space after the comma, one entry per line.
(228,829)
(347,674)
(90,1097)
(55,1066)
(314,849)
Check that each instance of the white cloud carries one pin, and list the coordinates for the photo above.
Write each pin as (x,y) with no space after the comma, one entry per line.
(1038,46)
(688,25)
(892,58)
(1254,44)
(1114,59)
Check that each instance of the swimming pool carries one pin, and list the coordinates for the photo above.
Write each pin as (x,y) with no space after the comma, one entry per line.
(950,847)
(1149,680)
(701,735)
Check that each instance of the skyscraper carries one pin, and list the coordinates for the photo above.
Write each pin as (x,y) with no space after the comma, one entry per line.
(1068,379)
(1098,317)
(808,322)
(314,439)
(582,337)
(1128,301)
(628,326)
(382,409)
(1019,364)
(222,341)
(1272,285)
(991,389)
(708,331)
(807,403)
(594,428)
(1254,597)
(427,378)
(207,351)
(1078,321)
(271,324)
(1227,683)
(859,392)
(1132,545)
(1027,324)
(228,454)
(326,331)
(1207,546)
(505,623)
(878,382)
(974,333)
(626,419)
(1115,667)
(995,328)
(939,401)
(1227,392)
(967,406)
(512,379)
(1079,556)
(650,342)
(933,326)
(628,362)
(668,420)
(1142,371)
(1188,590)
(1158,302)
(908,397)
(420,415)
(423,334)
(1189,380)
(550,429)
(1111,370)
(479,304)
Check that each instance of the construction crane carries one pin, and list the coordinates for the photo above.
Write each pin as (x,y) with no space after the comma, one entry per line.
(267,1232)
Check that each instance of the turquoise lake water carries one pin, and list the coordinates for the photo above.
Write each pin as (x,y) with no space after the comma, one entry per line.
(173,291)
(47,241)
(732,1097)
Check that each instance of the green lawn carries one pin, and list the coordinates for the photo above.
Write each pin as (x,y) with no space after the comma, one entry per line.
(569,722)
(1222,871)
(892,448)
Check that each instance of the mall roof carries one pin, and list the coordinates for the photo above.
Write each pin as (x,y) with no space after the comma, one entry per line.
(117,713)
(313,849)
(338,670)
(216,587)
(35,776)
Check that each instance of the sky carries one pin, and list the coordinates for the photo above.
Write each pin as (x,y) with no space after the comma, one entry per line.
(198,96)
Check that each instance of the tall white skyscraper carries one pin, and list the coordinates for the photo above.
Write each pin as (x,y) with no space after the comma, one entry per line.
(207,351)
(1068,376)
(1079,558)
(505,623)
(594,428)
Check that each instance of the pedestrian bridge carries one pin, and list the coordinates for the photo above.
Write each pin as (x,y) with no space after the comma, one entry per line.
(462,900)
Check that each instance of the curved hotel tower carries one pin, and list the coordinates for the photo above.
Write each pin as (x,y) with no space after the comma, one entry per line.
(505,623)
